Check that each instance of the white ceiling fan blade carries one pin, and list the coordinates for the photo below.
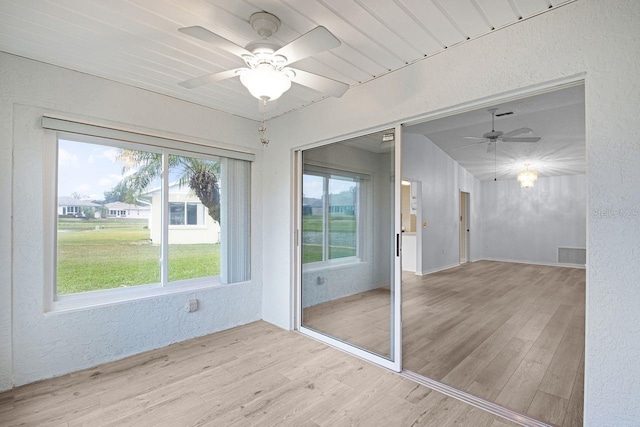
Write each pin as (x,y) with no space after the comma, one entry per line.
(315,41)
(474,137)
(319,83)
(468,145)
(521,139)
(516,132)
(210,78)
(218,41)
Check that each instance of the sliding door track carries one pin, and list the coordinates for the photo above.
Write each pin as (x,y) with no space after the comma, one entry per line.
(472,400)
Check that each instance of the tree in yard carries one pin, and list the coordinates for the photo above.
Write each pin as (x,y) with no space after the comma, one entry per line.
(142,168)
(79,196)
(120,193)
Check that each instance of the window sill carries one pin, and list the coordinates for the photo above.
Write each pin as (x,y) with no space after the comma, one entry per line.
(93,299)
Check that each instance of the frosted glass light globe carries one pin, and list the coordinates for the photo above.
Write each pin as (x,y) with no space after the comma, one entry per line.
(265,82)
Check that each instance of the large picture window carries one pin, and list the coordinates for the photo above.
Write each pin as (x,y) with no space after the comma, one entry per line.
(330,214)
(188,216)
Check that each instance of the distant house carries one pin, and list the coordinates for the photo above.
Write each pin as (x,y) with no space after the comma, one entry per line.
(339,204)
(127,210)
(343,203)
(71,206)
(189,220)
(312,206)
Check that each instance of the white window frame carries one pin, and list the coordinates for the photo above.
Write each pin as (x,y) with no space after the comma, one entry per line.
(199,207)
(83,300)
(360,220)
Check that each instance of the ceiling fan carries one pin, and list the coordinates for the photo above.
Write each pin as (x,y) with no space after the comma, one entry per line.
(496,135)
(267,74)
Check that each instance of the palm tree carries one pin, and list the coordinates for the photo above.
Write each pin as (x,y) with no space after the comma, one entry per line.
(120,193)
(200,175)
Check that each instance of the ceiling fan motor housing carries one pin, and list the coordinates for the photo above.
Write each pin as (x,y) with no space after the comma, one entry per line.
(494,134)
(265,24)
(263,54)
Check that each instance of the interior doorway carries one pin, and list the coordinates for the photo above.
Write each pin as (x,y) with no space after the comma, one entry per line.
(464,228)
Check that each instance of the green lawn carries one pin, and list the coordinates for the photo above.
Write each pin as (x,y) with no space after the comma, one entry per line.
(112,253)
(337,224)
(313,253)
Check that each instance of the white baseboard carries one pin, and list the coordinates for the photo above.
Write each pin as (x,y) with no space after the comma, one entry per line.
(549,264)
(516,261)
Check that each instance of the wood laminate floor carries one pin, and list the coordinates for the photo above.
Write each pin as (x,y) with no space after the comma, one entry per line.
(346,319)
(510,333)
(253,375)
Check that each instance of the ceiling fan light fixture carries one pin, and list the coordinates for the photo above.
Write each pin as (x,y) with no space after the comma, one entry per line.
(265,83)
(266,75)
(527,177)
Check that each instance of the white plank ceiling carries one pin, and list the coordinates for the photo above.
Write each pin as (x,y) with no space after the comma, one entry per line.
(136,41)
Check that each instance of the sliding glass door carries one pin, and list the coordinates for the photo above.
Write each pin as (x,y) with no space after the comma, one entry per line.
(348,245)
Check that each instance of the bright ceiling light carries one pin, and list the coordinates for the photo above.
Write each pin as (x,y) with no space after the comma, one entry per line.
(527,177)
(265,82)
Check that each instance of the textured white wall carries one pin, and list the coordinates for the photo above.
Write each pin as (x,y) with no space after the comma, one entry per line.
(530,224)
(595,39)
(37,345)
(442,180)
(6,160)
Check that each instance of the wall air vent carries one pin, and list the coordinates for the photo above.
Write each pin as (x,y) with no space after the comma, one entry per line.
(575,256)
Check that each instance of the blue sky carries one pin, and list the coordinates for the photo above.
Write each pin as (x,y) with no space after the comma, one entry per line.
(91,169)
(312,186)
(87,169)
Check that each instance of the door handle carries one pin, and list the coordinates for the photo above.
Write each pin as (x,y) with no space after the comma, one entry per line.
(398,245)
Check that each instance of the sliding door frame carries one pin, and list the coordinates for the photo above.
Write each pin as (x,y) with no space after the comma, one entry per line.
(394,363)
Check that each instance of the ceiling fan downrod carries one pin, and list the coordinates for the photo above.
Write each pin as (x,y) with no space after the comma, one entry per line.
(493,117)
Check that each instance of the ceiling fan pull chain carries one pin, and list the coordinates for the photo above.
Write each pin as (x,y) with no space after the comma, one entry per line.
(261,131)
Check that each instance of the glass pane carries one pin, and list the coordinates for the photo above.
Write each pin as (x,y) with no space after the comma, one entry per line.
(312,218)
(194,218)
(176,213)
(104,234)
(192,213)
(343,197)
(347,242)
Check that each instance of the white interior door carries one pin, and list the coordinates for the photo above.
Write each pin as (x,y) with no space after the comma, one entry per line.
(464,227)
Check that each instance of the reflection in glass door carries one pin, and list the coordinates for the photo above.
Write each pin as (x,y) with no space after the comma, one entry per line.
(348,253)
